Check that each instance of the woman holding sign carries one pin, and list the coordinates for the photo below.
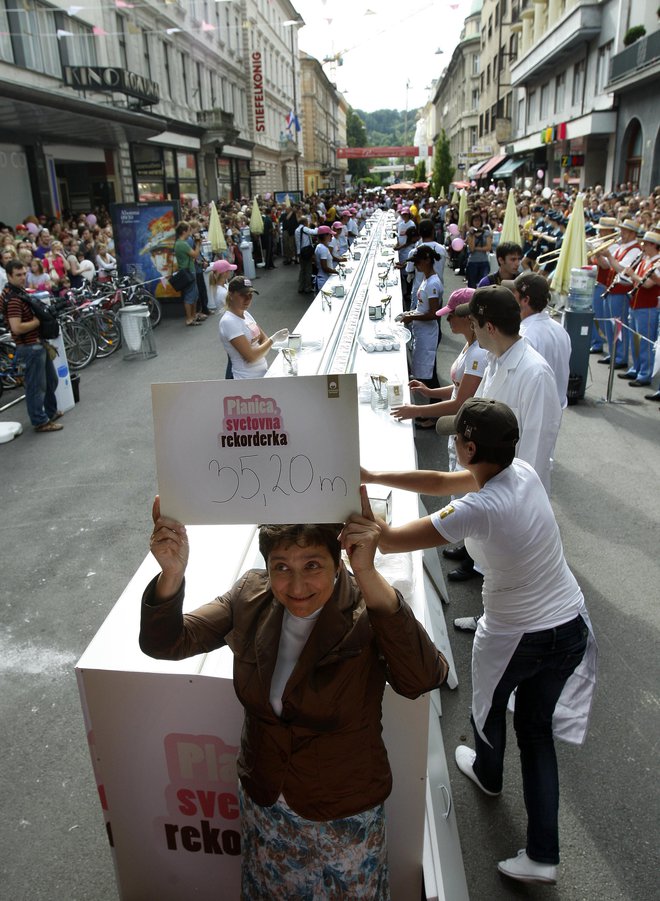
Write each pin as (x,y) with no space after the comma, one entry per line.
(313,646)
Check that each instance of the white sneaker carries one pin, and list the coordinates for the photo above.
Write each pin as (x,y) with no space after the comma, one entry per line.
(466,623)
(465,758)
(525,870)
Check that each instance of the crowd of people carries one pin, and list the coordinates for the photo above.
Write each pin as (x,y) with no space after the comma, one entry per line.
(315,640)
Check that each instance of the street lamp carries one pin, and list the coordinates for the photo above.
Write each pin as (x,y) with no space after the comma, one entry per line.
(405,128)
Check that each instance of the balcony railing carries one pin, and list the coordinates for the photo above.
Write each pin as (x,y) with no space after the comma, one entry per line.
(637,57)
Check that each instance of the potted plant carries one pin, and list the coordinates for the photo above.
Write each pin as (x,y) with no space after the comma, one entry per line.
(634,34)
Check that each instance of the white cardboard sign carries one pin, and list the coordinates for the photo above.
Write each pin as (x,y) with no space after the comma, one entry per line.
(280,450)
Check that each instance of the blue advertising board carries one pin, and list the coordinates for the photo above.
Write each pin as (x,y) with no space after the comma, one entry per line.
(144,242)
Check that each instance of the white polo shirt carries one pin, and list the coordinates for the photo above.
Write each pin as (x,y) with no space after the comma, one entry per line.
(553,343)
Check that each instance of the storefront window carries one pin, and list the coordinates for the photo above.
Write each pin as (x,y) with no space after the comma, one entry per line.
(187,172)
(223,171)
(244,177)
(149,172)
(170,168)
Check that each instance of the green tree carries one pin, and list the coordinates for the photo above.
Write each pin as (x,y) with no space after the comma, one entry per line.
(443,166)
(419,172)
(356,136)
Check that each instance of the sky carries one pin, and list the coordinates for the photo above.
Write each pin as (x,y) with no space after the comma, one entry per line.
(384,44)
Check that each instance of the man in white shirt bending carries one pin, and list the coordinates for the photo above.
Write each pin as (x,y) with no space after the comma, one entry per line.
(546,336)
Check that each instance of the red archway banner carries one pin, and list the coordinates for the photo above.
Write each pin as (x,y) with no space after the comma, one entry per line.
(361,153)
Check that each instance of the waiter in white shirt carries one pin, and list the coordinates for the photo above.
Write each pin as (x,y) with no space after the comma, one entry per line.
(532,291)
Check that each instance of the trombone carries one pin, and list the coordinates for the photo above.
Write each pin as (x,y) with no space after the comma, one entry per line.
(594,247)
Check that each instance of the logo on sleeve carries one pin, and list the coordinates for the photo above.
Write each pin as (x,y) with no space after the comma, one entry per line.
(446,511)
(475,365)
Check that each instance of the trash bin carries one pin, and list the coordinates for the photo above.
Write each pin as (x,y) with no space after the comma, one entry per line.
(136,332)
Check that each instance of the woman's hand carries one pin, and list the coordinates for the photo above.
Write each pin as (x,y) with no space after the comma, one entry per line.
(280,335)
(360,536)
(405,411)
(169,545)
(420,387)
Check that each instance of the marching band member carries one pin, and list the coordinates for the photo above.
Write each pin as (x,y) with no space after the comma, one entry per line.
(645,276)
(606,227)
(619,257)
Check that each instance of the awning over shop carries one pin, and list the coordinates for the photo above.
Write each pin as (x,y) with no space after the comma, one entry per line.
(472,171)
(487,167)
(508,168)
(28,113)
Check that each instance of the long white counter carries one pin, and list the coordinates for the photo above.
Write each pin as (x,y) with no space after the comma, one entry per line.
(164,735)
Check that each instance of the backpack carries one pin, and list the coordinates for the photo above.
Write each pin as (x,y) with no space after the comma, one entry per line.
(49,327)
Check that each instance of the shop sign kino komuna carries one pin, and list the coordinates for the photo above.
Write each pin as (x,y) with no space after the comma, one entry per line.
(111,78)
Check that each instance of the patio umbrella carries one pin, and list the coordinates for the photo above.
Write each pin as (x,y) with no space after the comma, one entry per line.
(573,252)
(510,227)
(215,233)
(462,208)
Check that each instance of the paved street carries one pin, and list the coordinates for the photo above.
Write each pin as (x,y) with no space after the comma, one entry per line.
(76,522)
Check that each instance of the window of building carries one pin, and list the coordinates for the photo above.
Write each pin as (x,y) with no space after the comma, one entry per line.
(213,85)
(486,123)
(199,89)
(33,41)
(5,39)
(520,122)
(578,83)
(513,48)
(184,77)
(487,74)
(166,66)
(79,50)
(531,107)
(475,100)
(494,112)
(145,53)
(472,135)
(560,91)
(121,41)
(497,14)
(503,9)
(490,27)
(481,125)
(544,101)
(603,66)
(475,63)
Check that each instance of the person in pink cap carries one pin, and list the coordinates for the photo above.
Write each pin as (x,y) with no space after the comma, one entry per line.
(466,372)
(338,237)
(323,256)
(221,272)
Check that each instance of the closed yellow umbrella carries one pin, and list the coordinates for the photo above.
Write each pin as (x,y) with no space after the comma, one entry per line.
(510,226)
(573,252)
(256,219)
(215,232)
(462,208)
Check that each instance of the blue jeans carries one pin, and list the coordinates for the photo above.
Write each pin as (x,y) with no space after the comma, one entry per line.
(645,323)
(598,328)
(616,307)
(539,669)
(40,382)
(474,272)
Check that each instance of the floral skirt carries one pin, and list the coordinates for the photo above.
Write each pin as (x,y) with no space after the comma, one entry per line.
(287,857)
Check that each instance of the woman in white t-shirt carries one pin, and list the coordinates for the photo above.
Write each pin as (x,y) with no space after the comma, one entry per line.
(323,256)
(422,317)
(466,372)
(243,339)
(535,636)
(221,272)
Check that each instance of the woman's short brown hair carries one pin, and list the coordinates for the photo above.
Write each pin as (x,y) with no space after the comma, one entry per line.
(304,535)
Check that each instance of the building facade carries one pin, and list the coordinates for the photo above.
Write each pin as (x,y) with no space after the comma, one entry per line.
(324,128)
(161,99)
(585,110)
(456,98)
